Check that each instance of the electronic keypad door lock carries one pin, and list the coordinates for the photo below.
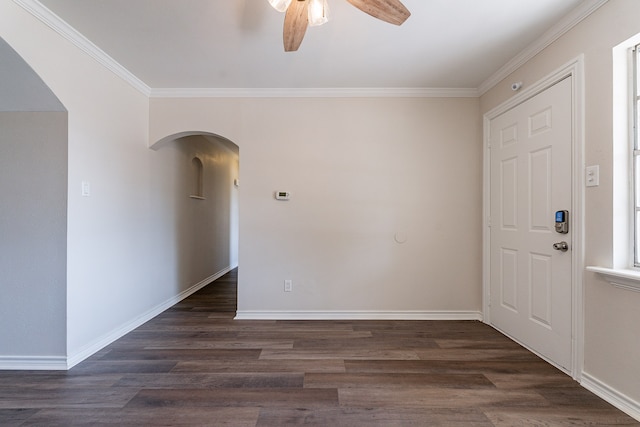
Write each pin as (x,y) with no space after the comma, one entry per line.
(562,222)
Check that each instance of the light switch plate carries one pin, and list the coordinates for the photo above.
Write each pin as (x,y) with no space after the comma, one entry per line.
(86,189)
(592,176)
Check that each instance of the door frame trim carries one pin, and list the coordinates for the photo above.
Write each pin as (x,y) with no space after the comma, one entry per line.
(574,69)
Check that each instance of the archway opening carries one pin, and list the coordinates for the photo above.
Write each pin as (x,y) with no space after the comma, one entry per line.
(196,177)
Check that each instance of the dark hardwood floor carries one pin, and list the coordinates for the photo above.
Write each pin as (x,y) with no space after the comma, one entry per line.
(194,365)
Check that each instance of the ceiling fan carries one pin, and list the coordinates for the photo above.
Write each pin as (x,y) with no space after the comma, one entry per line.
(302,13)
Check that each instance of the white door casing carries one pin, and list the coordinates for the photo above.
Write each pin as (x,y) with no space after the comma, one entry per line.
(530,289)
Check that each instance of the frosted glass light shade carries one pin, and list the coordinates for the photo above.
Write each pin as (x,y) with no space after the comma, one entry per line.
(318,12)
(280,5)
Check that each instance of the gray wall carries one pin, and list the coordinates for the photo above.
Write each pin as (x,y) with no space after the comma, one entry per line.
(20,87)
(33,213)
(33,233)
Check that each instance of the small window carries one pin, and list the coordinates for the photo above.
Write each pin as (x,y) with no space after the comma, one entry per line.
(197,191)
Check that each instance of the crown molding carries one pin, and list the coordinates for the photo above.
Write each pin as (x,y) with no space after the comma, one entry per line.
(38,10)
(53,21)
(314,93)
(35,8)
(554,33)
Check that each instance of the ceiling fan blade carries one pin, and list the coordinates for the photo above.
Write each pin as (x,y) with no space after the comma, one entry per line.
(391,11)
(295,24)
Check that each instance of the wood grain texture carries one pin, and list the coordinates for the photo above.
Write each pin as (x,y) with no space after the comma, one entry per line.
(234,380)
(233,397)
(391,11)
(558,417)
(372,417)
(439,398)
(231,417)
(193,365)
(295,24)
(395,380)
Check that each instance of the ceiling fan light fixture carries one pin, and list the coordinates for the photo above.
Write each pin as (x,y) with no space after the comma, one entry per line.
(280,5)
(318,12)
(303,13)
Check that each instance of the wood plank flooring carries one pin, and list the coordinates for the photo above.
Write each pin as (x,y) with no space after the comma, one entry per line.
(194,365)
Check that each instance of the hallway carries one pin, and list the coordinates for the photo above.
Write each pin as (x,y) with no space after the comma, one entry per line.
(195,365)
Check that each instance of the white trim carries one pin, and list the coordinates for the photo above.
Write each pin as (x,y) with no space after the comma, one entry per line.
(554,33)
(578,206)
(486,219)
(117,333)
(620,278)
(611,395)
(575,69)
(33,363)
(623,142)
(356,315)
(38,10)
(56,23)
(52,20)
(392,92)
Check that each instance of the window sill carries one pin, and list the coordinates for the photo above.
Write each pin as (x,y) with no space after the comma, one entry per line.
(620,278)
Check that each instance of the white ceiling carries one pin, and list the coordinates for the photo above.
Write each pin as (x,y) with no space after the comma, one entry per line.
(238,43)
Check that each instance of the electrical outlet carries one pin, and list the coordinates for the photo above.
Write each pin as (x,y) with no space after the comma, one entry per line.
(288,286)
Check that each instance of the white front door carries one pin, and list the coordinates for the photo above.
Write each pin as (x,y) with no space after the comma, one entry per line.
(530,172)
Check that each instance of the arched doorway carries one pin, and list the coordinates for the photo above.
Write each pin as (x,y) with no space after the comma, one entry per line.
(196,184)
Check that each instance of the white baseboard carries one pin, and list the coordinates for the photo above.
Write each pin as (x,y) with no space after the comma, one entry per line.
(33,363)
(138,321)
(356,315)
(611,395)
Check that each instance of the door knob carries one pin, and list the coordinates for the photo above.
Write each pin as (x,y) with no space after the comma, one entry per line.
(561,246)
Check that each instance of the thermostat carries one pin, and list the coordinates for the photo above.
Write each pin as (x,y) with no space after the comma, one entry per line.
(283,195)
